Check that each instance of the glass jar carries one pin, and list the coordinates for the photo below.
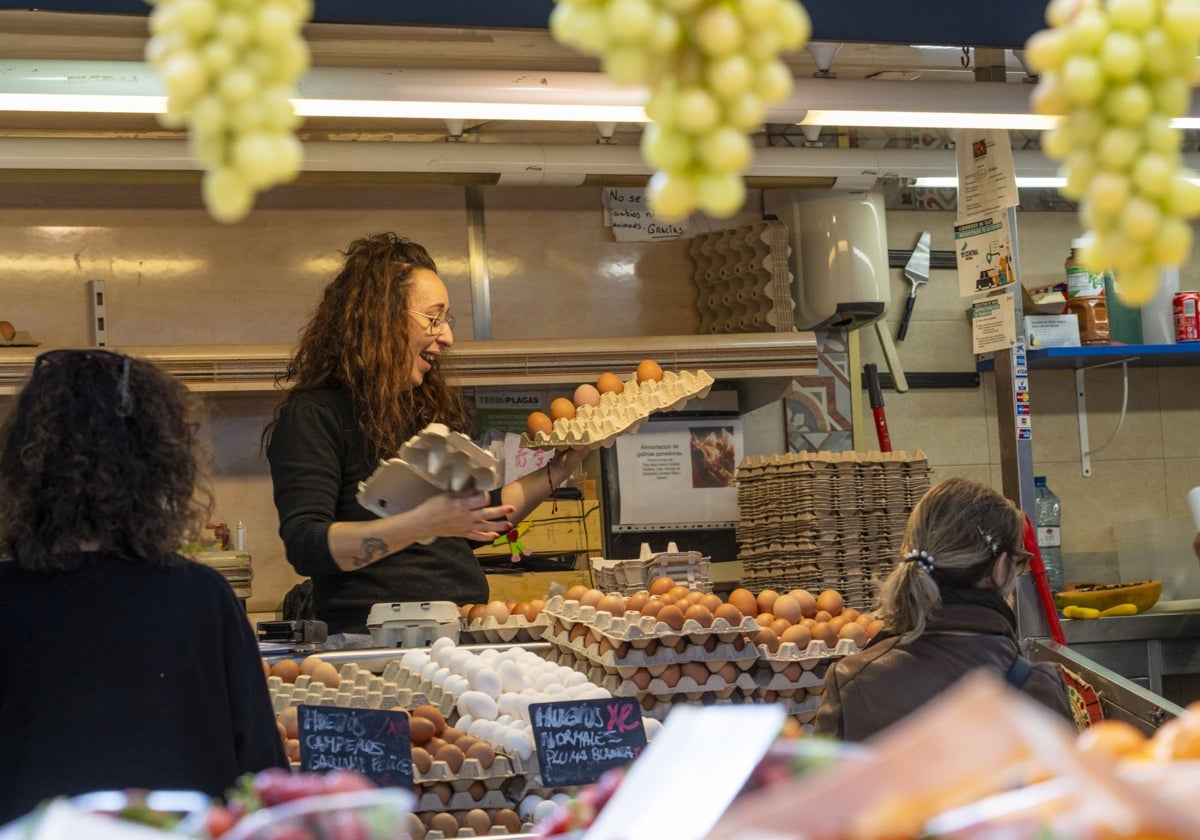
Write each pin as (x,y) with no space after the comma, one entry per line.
(1085,298)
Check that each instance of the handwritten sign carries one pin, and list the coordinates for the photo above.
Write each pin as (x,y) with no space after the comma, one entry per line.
(577,740)
(372,741)
(627,212)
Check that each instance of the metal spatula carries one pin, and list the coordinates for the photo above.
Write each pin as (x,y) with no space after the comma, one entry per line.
(917,272)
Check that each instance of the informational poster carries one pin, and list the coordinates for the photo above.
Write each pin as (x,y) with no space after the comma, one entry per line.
(993,323)
(987,179)
(519,461)
(680,472)
(628,214)
(505,409)
(983,250)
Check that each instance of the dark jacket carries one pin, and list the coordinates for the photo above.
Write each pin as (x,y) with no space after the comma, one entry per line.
(318,458)
(121,675)
(868,691)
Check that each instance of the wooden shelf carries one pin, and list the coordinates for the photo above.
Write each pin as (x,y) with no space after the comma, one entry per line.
(1138,355)
(255,368)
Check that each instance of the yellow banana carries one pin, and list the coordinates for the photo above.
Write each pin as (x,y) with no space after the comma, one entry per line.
(1073,611)
(1120,609)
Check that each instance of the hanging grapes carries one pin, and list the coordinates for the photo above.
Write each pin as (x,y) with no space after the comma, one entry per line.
(1117,73)
(712,67)
(229,68)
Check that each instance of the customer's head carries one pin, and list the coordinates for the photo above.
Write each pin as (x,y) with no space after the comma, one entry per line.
(961,535)
(101,451)
(379,330)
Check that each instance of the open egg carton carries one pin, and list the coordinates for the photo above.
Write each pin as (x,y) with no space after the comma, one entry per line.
(432,461)
(622,413)
(634,630)
(357,688)
(628,577)
(516,629)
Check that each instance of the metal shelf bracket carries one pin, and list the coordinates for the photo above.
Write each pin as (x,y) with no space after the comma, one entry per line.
(1086,452)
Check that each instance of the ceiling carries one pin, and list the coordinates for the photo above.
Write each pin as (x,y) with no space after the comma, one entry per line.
(60,35)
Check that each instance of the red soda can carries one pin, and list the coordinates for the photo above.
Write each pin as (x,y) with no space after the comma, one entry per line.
(1187,316)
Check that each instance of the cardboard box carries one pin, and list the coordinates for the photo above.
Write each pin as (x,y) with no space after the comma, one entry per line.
(574,527)
(1051,331)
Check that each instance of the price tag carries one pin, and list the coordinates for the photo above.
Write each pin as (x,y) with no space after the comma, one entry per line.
(577,740)
(372,741)
(519,461)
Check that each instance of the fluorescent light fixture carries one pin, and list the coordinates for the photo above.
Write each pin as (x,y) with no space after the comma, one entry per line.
(928,119)
(1022,181)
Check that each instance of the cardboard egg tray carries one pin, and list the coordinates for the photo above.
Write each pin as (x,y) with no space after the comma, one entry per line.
(805,699)
(816,652)
(463,831)
(715,685)
(624,666)
(516,629)
(378,694)
(636,629)
(460,800)
(789,678)
(450,460)
(659,708)
(470,772)
(687,568)
(622,413)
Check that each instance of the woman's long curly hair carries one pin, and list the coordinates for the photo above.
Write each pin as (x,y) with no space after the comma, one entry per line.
(358,337)
(101,450)
(949,523)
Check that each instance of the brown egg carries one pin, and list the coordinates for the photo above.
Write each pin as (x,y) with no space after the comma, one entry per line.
(289,718)
(854,632)
(476,612)
(508,818)
(766,601)
(432,713)
(831,601)
(461,739)
(837,621)
(822,631)
(478,821)
(779,625)
(610,383)
(788,608)
(578,631)
(798,635)
(327,674)
(763,619)
(286,669)
(477,790)
(443,791)
(670,675)
(421,730)
(649,371)
(732,615)
(444,822)
(728,672)
(767,638)
(562,409)
(434,745)
(590,598)
(710,601)
(695,671)
(575,592)
(526,610)
(808,602)
(672,616)
(822,616)
(864,619)
(497,610)
(678,592)
(538,421)
(710,642)
(661,586)
(587,394)
(612,603)
(874,627)
(310,662)
(413,827)
(421,759)
(652,607)
(699,614)
(636,602)
(793,671)
(538,604)
(851,614)
(745,601)
(452,755)
(483,753)
(641,678)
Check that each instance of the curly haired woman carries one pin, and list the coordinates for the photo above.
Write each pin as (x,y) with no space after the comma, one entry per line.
(125,665)
(945,611)
(366,376)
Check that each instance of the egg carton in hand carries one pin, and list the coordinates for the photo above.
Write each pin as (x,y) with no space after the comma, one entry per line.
(435,460)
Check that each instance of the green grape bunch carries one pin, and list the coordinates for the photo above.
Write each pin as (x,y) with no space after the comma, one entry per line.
(1117,72)
(711,67)
(229,68)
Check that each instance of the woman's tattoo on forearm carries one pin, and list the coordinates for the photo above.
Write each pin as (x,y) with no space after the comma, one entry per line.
(372,549)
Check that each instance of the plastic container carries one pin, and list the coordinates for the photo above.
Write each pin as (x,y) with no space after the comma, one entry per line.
(1159,549)
(410,624)
(1049,532)
(1085,298)
(1124,322)
(1158,319)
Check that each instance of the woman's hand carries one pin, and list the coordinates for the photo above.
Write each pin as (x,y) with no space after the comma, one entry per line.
(464,514)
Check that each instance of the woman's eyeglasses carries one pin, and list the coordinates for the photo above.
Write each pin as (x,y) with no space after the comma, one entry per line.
(118,363)
(435,323)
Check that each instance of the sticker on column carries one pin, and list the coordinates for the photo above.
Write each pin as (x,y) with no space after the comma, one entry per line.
(1023,422)
(1022,384)
(1021,369)
(1022,409)
(1024,434)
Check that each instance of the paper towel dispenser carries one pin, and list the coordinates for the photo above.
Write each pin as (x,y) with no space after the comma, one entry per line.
(838,256)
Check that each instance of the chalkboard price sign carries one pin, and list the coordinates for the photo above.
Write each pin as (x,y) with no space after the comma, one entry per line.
(577,740)
(372,741)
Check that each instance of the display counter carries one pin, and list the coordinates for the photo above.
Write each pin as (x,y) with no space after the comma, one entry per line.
(1142,648)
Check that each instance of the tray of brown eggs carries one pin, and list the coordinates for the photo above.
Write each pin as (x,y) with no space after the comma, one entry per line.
(596,414)
(503,622)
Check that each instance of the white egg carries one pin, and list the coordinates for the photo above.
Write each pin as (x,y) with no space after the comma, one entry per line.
(477,727)
(574,677)
(464,723)
(472,667)
(545,680)
(439,676)
(414,660)
(488,654)
(428,670)
(527,805)
(554,691)
(561,798)
(530,691)
(456,684)
(519,742)
(544,809)
(442,647)
(458,660)
(487,681)
(651,725)
(477,705)
(512,678)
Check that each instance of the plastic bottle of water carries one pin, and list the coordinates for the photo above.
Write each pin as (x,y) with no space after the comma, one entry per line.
(1049,534)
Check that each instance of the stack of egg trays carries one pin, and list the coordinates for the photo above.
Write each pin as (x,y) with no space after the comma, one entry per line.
(796,677)
(515,630)
(743,279)
(358,689)
(617,414)
(686,568)
(610,649)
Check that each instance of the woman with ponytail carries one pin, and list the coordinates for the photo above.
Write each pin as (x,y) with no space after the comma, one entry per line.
(946,612)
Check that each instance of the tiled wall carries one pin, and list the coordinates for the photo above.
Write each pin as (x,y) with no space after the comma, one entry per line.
(175,277)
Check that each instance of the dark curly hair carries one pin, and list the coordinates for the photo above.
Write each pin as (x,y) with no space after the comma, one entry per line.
(358,337)
(101,450)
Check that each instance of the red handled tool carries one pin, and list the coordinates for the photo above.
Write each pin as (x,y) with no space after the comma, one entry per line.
(871,372)
(1038,568)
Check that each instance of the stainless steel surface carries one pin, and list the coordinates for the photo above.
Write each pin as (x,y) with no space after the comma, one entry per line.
(338,657)
(1142,648)
(1120,698)
(917,267)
